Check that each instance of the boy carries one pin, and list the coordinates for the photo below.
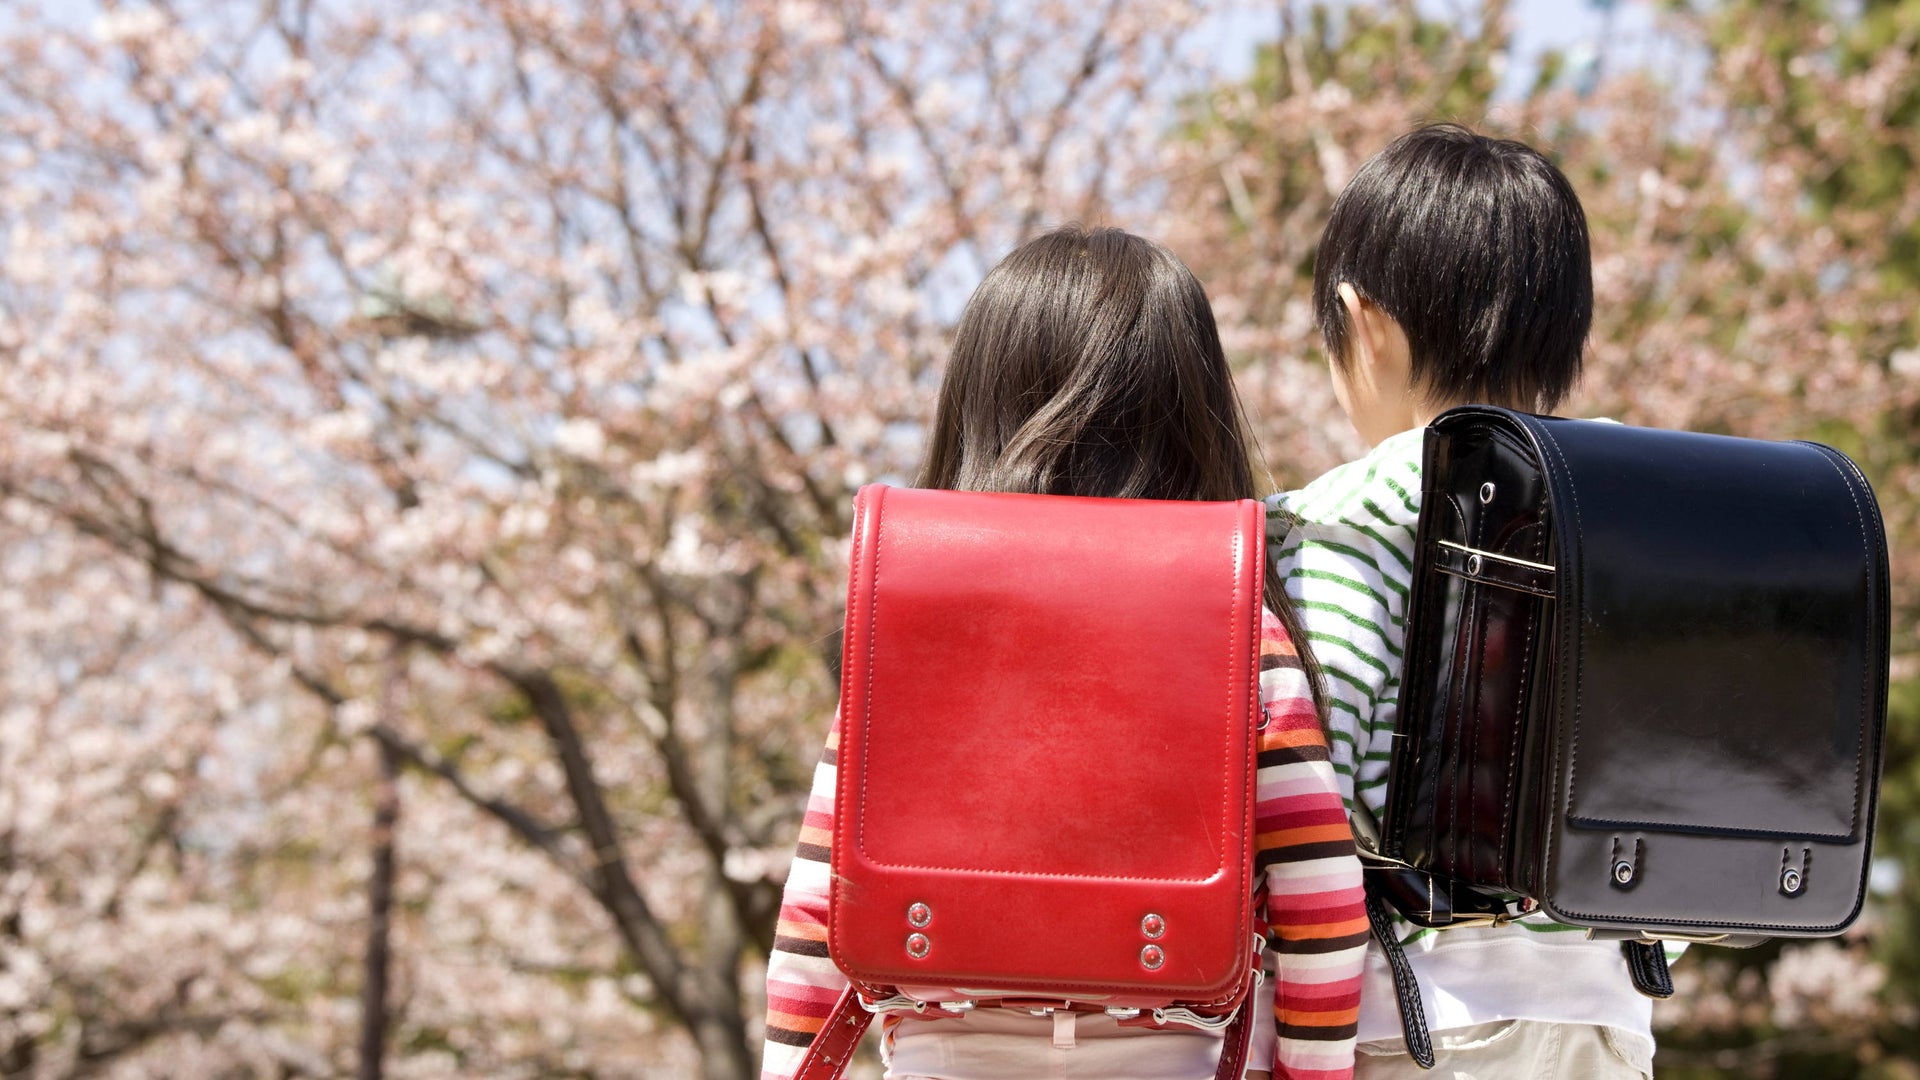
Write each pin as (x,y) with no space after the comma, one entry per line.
(1454,269)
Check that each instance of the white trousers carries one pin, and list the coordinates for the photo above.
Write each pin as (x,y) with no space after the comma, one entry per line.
(1515,1050)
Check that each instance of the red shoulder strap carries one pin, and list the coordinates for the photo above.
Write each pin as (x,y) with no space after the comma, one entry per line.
(831,1050)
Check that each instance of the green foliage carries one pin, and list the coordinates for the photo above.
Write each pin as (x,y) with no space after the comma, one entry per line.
(1833,89)
(1374,52)
(1897,840)
(1864,140)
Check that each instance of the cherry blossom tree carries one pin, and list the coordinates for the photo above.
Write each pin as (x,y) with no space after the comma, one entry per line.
(430,433)
(429,429)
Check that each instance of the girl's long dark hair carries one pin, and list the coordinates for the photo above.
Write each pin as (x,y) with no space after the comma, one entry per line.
(1088,363)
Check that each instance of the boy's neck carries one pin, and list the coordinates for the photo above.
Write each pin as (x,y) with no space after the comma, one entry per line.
(1416,414)
(1423,412)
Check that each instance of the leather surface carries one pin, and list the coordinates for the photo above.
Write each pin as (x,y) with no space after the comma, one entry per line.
(1726,590)
(833,1047)
(1406,989)
(1234,1045)
(1049,708)
(1722,708)
(1702,701)
(1647,966)
(1474,671)
(1463,562)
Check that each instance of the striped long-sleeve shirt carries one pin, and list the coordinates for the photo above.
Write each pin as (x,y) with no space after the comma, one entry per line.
(1315,923)
(1344,545)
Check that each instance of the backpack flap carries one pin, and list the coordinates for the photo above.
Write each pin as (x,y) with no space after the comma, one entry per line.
(1718,694)
(1046,762)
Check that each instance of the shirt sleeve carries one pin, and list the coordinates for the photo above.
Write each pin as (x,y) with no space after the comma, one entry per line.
(1346,558)
(1304,848)
(802,982)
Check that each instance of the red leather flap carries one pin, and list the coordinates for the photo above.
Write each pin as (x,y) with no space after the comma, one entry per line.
(1048,713)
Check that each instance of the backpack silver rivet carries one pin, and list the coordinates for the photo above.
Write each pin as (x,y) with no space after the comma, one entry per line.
(919,915)
(918,946)
(1473,564)
(1623,872)
(1789,881)
(1486,493)
(1153,926)
(1152,957)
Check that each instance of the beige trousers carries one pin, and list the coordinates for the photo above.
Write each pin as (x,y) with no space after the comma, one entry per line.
(1515,1050)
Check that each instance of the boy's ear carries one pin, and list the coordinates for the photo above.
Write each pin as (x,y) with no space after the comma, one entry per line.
(1376,345)
(1374,380)
(1363,336)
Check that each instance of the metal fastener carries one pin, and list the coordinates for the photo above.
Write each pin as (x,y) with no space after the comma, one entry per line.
(1151,957)
(1486,492)
(918,946)
(1119,1012)
(1474,564)
(1790,881)
(1623,872)
(919,915)
(1153,926)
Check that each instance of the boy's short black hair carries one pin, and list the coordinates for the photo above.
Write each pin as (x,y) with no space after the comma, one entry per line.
(1478,248)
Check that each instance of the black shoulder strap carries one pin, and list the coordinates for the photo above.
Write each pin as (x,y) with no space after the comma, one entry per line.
(1647,963)
(1413,1015)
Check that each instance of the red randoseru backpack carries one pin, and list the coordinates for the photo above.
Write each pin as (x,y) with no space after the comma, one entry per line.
(1046,770)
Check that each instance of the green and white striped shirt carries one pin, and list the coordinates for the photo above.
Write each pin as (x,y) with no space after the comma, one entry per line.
(1344,547)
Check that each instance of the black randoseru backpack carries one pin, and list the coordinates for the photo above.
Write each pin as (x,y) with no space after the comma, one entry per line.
(1645,689)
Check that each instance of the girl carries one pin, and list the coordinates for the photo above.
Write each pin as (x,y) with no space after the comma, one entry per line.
(1087,363)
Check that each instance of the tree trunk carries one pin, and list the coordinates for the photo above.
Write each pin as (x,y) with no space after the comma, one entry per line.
(373,991)
(721,1035)
(16,1058)
(724,938)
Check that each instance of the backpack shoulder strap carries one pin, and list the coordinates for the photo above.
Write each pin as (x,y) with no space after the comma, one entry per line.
(833,1047)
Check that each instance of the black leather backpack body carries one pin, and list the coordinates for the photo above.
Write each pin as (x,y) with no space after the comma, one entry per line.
(1645,685)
